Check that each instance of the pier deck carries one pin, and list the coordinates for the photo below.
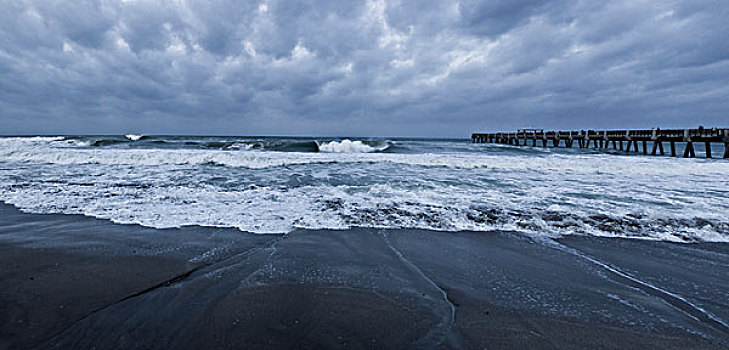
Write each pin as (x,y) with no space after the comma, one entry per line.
(621,140)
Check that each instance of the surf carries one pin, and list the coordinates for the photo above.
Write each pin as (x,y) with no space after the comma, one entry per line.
(349,146)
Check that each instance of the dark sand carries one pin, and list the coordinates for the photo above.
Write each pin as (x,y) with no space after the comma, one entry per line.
(73,282)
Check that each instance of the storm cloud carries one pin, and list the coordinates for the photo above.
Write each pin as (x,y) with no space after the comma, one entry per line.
(408,68)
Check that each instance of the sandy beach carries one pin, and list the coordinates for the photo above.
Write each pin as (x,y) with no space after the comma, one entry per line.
(76,282)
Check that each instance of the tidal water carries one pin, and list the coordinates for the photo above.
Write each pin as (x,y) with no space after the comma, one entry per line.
(278,184)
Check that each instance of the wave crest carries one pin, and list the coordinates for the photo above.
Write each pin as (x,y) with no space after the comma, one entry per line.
(134,137)
(349,146)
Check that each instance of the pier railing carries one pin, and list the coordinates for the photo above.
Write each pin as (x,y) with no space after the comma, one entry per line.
(615,138)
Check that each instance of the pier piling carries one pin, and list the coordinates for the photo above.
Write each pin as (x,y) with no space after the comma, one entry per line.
(708,149)
(688,152)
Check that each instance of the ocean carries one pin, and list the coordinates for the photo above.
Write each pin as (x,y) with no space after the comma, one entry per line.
(281,184)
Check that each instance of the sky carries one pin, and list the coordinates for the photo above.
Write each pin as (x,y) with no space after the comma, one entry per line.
(360,68)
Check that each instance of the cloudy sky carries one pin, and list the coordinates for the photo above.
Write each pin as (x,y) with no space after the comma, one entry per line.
(360,68)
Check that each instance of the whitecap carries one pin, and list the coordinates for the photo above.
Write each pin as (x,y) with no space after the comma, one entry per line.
(349,146)
(134,137)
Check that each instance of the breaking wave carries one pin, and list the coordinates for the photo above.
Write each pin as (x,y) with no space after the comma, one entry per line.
(250,160)
(134,137)
(348,146)
(231,144)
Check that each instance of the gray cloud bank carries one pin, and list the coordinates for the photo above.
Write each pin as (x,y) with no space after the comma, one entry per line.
(427,68)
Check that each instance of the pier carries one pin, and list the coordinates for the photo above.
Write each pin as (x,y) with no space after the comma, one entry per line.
(620,140)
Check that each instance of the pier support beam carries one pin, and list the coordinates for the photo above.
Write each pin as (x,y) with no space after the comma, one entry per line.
(657,145)
(645,147)
(726,150)
(708,149)
(689,151)
(673,148)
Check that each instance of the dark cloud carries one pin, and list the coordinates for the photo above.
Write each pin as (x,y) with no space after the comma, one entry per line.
(500,16)
(360,68)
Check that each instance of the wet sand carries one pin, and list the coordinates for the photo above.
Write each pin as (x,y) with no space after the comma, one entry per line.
(72,282)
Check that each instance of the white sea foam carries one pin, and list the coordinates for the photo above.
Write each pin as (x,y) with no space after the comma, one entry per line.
(571,165)
(77,143)
(348,146)
(198,157)
(241,146)
(265,192)
(134,137)
(20,141)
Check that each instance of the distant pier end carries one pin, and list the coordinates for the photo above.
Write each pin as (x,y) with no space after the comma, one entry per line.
(621,140)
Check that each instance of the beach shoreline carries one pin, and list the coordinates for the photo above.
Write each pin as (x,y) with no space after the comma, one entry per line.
(75,282)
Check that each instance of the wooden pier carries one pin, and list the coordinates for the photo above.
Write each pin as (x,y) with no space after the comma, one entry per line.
(620,140)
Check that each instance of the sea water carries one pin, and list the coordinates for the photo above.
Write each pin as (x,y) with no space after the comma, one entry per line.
(278,184)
